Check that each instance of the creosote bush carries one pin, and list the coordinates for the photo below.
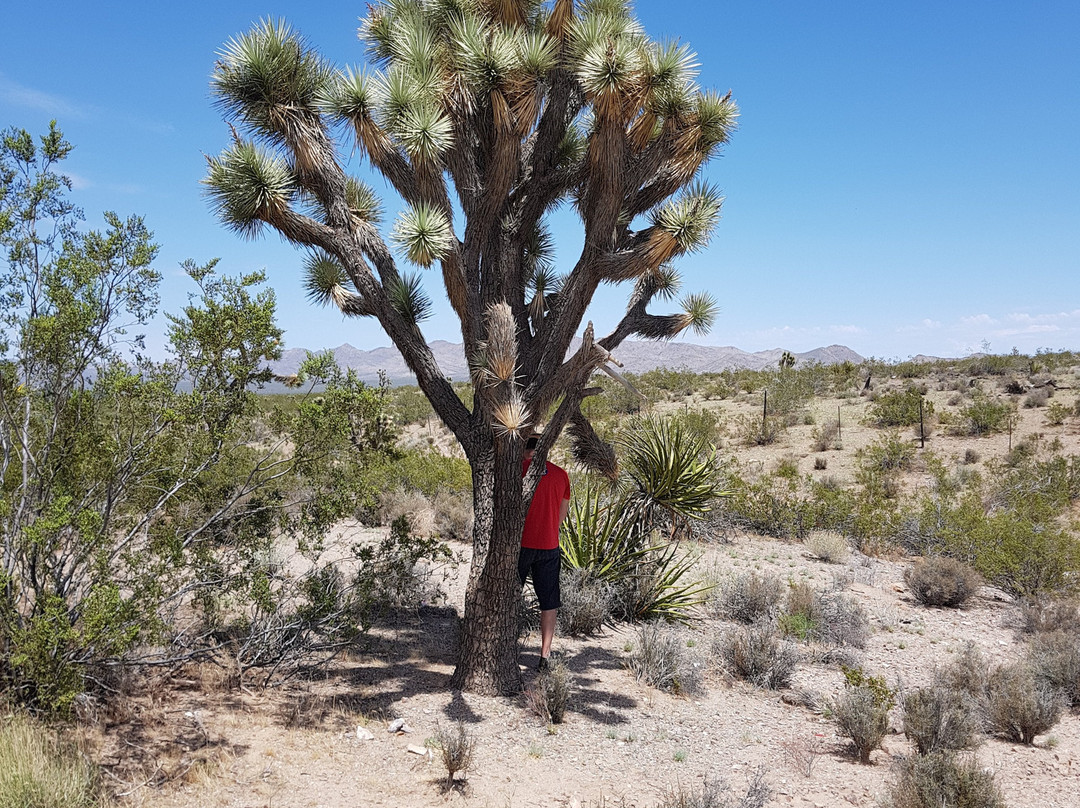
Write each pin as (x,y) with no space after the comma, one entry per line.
(1020,705)
(942,581)
(757,654)
(944,780)
(862,711)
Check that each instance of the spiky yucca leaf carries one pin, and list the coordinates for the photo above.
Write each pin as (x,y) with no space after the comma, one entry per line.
(265,77)
(363,202)
(423,231)
(699,312)
(409,299)
(353,99)
(610,71)
(425,133)
(717,118)
(248,187)
(672,66)
(691,218)
(511,418)
(325,279)
(670,466)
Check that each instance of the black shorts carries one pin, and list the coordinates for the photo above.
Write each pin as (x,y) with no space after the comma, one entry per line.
(544,566)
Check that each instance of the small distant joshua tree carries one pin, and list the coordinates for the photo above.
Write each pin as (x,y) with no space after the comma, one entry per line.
(484,116)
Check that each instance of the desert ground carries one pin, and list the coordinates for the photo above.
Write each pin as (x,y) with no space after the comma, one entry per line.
(201,740)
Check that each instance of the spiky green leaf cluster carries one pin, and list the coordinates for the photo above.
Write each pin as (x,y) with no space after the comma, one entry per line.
(248,186)
(700,310)
(423,232)
(264,78)
(409,299)
(691,218)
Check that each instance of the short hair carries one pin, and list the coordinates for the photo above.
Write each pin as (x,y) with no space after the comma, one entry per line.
(530,444)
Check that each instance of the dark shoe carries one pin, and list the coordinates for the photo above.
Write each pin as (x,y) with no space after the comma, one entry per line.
(543,666)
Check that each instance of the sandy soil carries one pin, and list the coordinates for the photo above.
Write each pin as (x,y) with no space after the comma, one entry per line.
(623,743)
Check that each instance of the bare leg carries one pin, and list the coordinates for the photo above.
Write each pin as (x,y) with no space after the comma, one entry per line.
(548,619)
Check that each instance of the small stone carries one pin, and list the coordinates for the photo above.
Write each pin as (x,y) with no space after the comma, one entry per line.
(417,750)
(364,734)
(396,725)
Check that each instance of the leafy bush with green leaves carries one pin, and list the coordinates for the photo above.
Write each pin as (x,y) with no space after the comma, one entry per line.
(984,416)
(900,408)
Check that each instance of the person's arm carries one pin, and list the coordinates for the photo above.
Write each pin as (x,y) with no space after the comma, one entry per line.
(564,511)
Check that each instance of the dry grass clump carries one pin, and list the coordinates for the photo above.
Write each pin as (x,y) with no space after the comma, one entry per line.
(944,780)
(1020,705)
(942,581)
(661,658)
(748,597)
(718,794)
(1038,397)
(757,654)
(550,695)
(1048,614)
(456,747)
(825,437)
(829,618)
(936,718)
(586,603)
(968,673)
(829,546)
(38,772)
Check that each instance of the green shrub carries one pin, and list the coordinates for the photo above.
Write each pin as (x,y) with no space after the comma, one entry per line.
(944,780)
(38,772)
(862,711)
(941,581)
(984,416)
(900,408)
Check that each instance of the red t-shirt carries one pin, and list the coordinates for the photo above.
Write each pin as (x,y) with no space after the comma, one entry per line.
(542,522)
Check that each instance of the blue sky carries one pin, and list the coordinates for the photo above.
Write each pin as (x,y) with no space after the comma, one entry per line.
(905,178)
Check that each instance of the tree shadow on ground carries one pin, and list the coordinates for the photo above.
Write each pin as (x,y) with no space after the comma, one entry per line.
(597,704)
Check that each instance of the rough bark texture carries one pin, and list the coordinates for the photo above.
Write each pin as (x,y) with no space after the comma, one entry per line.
(488,653)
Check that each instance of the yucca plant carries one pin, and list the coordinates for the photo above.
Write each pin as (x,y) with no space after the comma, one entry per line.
(492,114)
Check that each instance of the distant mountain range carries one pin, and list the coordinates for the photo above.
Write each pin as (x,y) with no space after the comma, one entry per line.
(636,357)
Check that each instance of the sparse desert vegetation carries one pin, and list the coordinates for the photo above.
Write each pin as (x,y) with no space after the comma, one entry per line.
(770,576)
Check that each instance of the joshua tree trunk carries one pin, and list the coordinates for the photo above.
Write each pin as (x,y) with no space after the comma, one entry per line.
(488,653)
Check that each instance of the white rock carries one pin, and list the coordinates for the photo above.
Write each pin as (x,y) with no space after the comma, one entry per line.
(417,750)
(396,725)
(364,734)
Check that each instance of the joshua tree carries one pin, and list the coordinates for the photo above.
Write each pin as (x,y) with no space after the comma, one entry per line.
(518,106)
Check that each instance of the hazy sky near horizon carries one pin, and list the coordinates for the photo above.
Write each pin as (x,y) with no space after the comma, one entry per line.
(905,178)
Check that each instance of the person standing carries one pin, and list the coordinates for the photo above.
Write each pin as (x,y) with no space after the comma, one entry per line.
(540,555)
